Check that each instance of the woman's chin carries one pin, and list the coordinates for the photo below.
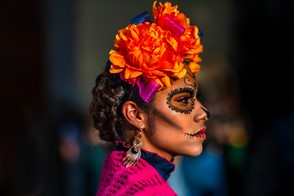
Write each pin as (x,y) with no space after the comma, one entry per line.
(197,151)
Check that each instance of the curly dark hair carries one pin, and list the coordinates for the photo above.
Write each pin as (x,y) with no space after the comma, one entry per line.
(108,96)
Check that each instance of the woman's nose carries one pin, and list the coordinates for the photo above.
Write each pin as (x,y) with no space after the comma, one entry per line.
(206,111)
(202,114)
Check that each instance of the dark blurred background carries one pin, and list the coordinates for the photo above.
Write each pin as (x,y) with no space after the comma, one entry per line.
(52,50)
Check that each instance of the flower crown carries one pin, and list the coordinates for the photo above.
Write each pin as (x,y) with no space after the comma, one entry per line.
(153,54)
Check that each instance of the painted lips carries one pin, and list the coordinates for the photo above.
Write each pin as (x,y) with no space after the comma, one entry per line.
(200,135)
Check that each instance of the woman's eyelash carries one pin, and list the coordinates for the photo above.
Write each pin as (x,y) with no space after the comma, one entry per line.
(184,99)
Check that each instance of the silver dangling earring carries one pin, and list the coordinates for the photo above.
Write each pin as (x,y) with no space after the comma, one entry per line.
(134,153)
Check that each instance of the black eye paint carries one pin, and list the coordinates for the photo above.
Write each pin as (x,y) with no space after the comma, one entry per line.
(193,84)
(184,103)
(188,82)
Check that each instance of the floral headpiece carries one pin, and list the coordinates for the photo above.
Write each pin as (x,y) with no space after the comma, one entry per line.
(153,54)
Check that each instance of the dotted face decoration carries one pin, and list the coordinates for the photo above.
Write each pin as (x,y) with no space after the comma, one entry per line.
(181,100)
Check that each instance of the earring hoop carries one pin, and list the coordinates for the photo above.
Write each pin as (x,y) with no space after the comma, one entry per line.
(134,153)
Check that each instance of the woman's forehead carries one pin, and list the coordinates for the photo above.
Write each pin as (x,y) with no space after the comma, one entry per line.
(189,80)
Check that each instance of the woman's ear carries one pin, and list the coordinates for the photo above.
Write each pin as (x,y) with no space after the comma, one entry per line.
(133,114)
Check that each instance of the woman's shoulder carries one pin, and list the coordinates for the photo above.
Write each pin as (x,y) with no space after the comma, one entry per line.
(138,179)
(114,166)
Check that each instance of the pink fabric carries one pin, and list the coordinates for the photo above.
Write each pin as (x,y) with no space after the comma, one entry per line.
(139,180)
(147,89)
(174,27)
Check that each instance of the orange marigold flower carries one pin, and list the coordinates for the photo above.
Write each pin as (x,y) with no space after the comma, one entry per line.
(189,43)
(157,50)
(146,49)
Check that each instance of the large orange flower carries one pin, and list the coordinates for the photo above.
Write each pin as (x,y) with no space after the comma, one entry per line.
(156,51)
(189,42)
(146,50)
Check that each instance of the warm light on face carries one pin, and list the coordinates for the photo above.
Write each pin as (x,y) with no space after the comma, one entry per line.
(181,100)
(177,123)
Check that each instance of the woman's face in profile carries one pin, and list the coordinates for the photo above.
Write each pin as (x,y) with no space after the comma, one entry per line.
(176,126)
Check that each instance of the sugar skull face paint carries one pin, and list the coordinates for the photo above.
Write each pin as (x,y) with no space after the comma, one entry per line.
(181,100)
(177,124)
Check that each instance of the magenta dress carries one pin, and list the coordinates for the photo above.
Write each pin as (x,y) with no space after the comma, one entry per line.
(149,177)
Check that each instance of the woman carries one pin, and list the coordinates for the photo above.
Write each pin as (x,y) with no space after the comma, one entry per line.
(145,102)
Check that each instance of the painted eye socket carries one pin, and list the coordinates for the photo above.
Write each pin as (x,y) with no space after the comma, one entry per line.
(181,100)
